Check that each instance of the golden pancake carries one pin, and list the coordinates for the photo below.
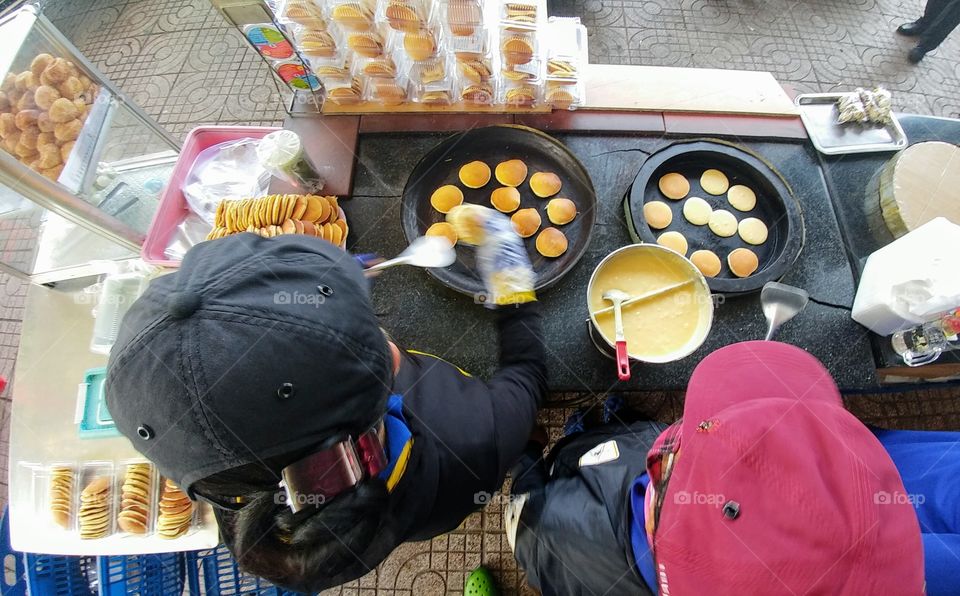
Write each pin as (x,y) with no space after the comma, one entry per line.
(443,229)
(526,222)
(707,262)
(743,262)
(419,45)
(516,50)
(657,214)
(697,211)
(545,184)
(741,197)
(714,182)
(723,223)
(505,199)
(674,186)
(551,243)
(673,240)
(753,231)
(511,173)
(446,198)
(560,98)
(475,174)
(561,211)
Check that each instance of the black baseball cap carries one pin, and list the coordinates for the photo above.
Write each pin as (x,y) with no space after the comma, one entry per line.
(255,348)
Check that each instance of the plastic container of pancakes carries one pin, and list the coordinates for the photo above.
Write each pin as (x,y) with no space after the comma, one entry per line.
(317,43)
(302,12)
(422,44)
(337,67)
(520,93)
(566,53)
(346,90)
(522,14)
(461,18)
(386,91)
(404,15)
(520,50)
(702,197)
(98,499)
(353,15)
(431,70)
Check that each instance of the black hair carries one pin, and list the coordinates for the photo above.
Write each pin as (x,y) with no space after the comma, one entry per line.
(308,551)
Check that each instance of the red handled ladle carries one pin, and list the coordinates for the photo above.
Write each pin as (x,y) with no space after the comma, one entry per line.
(623,361)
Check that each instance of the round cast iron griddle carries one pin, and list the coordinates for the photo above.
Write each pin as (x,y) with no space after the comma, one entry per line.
(776,207)
(492,145)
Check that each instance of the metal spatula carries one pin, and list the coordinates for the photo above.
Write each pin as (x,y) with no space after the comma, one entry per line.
(780,304)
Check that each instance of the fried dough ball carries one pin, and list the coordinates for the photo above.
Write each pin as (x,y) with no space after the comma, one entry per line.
(26,119)
(25,101)
(67,131)
(8,125)
(71,88)
(29,137)
(39,64)
(50,157)
(25,80)
(63,110)
(65,150)
(58,71)
(44,96)
(5,104)
(44,123)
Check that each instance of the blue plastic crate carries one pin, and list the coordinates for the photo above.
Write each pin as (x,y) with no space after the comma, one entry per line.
(14,580)
(215,572)
(144,575)
(57,575)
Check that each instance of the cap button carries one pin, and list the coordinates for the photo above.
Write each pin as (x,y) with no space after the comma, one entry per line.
(183,304)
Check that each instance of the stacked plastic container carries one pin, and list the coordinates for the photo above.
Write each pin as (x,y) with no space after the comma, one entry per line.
(472,53)
(566,55)
(521,28)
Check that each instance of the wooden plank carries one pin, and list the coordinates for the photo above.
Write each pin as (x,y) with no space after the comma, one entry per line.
(667,89)
(373,123)
(594,121)
(739,125)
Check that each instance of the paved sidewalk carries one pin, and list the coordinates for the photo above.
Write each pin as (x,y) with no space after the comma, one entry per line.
(185,66)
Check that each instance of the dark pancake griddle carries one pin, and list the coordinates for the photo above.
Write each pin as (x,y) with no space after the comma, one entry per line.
(776,207)
(492,145)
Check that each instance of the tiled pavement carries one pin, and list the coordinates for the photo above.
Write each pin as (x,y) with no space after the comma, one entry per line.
(181,62)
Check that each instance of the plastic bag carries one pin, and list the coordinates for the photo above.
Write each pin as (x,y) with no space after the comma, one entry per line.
(191,231)
(229,170)
(501,257)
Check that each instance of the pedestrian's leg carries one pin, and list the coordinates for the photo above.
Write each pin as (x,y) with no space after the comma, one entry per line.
(930,13)
(940,26)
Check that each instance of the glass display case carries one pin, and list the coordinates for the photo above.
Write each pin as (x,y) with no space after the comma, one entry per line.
(81,166)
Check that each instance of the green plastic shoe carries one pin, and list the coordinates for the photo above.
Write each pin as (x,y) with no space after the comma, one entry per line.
(480,582)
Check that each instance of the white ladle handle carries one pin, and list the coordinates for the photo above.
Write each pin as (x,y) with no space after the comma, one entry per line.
(647,296)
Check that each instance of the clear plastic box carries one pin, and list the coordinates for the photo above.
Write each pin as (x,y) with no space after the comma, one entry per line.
(433,70)
(477,70)
(366,44)
(565,40)
(563,94)
(97,496)
(518,47)
(522,14)
(461,18)
(386,91)
(474,45)
(440,93)
(176,515)
(383,67)
(55,495)
(344,90)
(407,16)
(338,66)
(519,93)
(353,15)
(302,12)
(530,72)
(473,93)
(317,43)
(138,488)
(422,44)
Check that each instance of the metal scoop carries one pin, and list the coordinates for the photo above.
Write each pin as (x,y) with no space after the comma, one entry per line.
(780,304)
(425,251)
(623,361)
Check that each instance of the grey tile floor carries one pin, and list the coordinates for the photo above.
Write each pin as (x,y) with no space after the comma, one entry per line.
(181,62)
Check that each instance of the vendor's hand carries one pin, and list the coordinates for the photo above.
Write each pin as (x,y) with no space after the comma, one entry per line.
(501,257)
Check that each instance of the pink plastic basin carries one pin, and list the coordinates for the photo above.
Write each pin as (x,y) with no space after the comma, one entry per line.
(173,207)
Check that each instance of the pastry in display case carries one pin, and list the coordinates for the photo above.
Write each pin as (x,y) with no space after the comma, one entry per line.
(81,166)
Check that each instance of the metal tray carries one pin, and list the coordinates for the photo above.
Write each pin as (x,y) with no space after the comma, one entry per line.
(819,114)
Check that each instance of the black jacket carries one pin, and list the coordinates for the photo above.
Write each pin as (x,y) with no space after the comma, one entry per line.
(467,433)
(574,532)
